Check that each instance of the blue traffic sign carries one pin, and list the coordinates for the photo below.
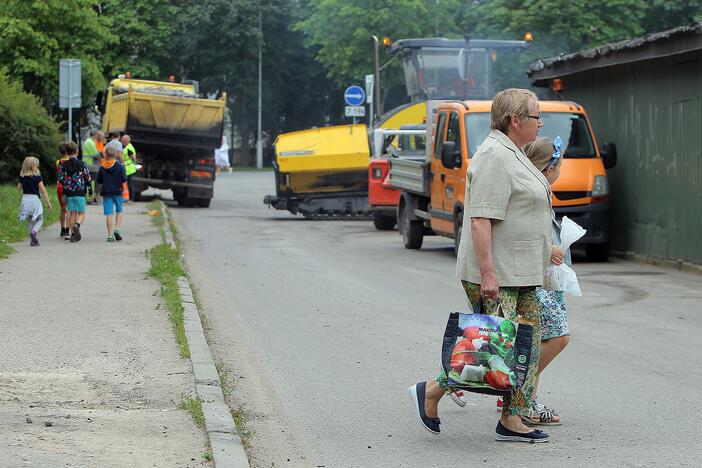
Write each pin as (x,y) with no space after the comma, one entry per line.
(354,96)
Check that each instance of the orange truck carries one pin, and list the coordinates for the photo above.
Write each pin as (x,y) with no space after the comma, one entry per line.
(408,143)
(431,191)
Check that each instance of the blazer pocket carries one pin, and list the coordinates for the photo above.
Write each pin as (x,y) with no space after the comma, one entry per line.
(527,258)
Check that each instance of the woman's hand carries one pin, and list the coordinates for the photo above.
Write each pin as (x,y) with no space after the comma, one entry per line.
(489,286)
(557,255)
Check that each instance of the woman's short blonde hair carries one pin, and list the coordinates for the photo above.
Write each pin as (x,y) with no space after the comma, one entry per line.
(540,152)
(509,102)
(30,167)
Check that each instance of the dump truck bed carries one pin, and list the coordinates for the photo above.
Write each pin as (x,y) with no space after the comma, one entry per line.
(159,119)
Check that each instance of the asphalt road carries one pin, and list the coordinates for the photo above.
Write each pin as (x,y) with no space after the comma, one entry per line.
(324,324)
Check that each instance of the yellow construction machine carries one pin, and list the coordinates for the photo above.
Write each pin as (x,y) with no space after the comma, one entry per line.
(324,171)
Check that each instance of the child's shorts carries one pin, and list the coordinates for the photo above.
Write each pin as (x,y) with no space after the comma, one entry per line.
(111,203)
(76,204)
(554,315)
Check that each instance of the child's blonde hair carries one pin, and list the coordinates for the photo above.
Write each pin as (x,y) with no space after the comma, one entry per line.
(540,152)
(30,167)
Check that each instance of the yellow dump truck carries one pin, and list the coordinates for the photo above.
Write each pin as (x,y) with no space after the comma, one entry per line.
(324,171)
(174,131)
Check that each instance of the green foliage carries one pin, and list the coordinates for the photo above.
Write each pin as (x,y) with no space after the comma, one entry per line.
(35,34)
(146,37)
(25,129)
(342,30)
(11,230)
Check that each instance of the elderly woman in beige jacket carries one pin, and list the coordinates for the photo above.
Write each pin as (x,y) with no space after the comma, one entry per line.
(504,248)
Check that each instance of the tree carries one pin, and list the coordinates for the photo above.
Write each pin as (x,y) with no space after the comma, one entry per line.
(25,130)
(667,14)
(342,30)
(565,26)
(35,34)
(147,37)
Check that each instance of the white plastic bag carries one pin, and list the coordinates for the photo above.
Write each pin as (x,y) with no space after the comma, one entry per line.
(562,277)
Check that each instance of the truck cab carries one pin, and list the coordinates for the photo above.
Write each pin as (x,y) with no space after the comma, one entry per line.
(409,142)
(433,192)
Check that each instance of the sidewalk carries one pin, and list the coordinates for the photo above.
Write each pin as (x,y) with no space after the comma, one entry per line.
(86,356)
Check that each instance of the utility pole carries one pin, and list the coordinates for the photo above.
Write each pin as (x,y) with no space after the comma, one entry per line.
(376,71)
(259,143)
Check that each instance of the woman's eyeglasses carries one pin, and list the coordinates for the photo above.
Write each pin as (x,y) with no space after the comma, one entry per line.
(535,117)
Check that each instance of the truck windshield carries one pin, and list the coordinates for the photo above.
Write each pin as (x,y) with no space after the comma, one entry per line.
(572,128)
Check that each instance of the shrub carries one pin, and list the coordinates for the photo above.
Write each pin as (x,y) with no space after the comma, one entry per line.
(25,130)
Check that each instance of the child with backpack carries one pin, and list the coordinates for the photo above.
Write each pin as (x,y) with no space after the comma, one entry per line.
(74,176)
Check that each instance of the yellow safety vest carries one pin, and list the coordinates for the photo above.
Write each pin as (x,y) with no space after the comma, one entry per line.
(129,166)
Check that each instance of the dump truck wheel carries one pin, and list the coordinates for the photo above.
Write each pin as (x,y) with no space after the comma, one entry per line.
(412,230)
(203,202)
(383,222)
(185,201)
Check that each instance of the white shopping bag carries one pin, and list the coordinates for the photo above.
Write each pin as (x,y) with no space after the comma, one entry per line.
(562,277)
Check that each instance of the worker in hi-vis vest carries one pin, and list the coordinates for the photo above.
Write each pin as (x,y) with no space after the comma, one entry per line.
(130,161)
(91,155)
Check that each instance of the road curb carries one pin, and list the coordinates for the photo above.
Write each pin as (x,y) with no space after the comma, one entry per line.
(225,443)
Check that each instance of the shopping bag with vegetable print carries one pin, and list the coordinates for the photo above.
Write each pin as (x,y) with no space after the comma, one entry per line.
(486,353)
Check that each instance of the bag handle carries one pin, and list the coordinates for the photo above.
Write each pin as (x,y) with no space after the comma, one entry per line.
(478,308)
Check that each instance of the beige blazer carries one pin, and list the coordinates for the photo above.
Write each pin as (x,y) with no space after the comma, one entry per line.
(504,186)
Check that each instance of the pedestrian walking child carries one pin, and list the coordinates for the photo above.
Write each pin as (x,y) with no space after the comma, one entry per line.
(63,216)
(111,178)
(31,209)
(547,156)
(75,177)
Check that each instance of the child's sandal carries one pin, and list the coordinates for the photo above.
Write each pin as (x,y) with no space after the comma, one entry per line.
(541,415)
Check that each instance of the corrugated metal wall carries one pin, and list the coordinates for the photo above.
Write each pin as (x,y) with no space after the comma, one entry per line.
(652,110)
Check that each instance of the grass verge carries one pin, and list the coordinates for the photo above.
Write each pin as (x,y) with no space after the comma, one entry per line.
(225,380)
(194,407)
(240,417)
(166,268)
(11,229)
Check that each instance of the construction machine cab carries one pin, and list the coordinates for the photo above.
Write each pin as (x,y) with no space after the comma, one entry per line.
(438,68)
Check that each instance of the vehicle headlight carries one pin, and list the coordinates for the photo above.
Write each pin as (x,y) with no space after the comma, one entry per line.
(601,187)
(377,173)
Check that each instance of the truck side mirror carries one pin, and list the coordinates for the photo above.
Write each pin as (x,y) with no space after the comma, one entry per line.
(609,155)
(447,154)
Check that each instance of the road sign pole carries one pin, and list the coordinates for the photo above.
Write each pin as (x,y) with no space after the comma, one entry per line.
(70,114)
